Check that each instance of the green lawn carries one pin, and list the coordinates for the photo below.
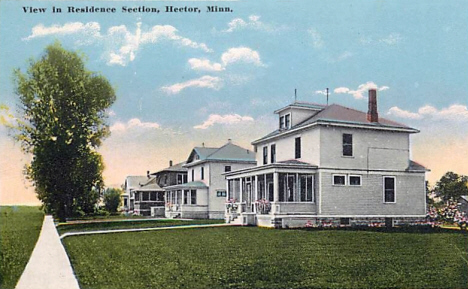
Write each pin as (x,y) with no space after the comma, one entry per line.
(250,257)
(19,230)
(127,224)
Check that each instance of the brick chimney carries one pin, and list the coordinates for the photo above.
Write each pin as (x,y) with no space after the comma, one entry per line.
(170,163)
(372,113)
(148,174)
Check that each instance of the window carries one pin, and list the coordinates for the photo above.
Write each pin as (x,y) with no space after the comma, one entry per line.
(227,168)
(306,188)
(354,180)
(193,175)
(273,153)
(287,121)
(202,173)
(185,178)
(344,221)
(125,202)
(193,197)
(145,196)
(265,155)
(339,180)
(165,179)
(347,145)
(179,178)
(153,196)
(389,189)
(298,148)
(221,193)
(281,122)
(186,192)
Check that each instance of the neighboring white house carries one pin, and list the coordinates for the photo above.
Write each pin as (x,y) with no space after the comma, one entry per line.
(329,165)
(143,196)
(204,195)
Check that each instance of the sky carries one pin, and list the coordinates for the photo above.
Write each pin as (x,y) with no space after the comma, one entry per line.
(187,78)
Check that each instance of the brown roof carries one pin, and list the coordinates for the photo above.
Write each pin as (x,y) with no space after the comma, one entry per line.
(342,115)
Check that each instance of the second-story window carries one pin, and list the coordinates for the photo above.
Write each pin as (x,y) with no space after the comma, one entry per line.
(180,179)
(227,168)
(273,153)
(193,175)
(297,148)
(281,122)
(202,173)
(287,121)
(265,155)
(347,145)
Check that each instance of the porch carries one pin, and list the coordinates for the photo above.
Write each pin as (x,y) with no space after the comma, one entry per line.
(264,194)
(189,200)
(145,200)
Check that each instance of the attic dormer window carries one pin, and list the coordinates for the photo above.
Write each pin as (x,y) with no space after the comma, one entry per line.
(285,121)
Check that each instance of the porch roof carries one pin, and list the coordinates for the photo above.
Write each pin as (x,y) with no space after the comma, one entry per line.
(289,164)
(149,188)
(189,185)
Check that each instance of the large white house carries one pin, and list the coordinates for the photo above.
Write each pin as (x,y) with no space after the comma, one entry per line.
(204,195)
(329,165)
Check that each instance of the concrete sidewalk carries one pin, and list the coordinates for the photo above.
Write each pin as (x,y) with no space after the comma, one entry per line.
(48,266)
(145,229)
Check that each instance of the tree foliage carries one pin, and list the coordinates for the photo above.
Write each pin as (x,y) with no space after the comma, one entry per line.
(112,199)
(451,186)
(63,108)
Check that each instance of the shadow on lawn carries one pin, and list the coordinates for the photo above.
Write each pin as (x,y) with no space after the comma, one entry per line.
(399,229)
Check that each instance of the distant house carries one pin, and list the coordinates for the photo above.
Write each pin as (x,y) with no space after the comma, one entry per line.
(172,175)
(142,193)
(329,165)
(204,195)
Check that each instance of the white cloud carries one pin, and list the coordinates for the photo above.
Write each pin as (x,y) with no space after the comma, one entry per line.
(252,23)
(322,92)
(91,29)
(231,56)
(359,92)
(223,119)
(317,41)
(122,44)
(391,39)
(204,82)
(133,123)
(455,112)
(204,65)
(241,54)
(398,112)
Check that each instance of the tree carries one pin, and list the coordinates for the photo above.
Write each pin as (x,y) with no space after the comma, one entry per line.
(451,186)
(63,108)
(112,199)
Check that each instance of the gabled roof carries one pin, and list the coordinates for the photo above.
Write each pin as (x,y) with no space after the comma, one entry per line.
(136,181)
(340,115)
(175,168)
(142,183)
(228,152)
(415,166)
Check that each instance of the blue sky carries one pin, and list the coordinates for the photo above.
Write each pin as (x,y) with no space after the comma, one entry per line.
(186,78)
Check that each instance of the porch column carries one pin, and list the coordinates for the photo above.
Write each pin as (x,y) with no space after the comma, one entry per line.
(256,187)
(241,198)
(227,190)
(276,187)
